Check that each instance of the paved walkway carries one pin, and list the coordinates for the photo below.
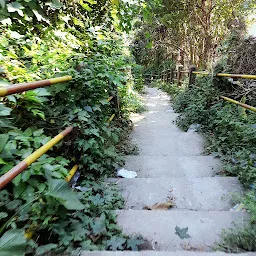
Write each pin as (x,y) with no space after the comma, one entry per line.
(172,169)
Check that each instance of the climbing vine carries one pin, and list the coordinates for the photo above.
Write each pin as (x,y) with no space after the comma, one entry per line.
(39,212)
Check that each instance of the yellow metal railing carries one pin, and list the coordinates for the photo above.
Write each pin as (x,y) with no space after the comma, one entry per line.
(16,88)
(239,103)
(71,173)
(206,73)
(16,170)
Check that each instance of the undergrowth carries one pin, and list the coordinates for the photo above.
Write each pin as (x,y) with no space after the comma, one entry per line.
(230,134)
(39,212)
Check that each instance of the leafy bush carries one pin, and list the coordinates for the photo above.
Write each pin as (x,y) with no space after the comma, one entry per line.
(230,134)
(171,89)
(39,212)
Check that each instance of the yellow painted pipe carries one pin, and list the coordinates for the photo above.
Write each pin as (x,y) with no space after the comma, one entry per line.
(71,173)
(205,73)
(111,118)
(16,170)
(16,88)
(110,98)
(202,73)
(239,103)
(237,76)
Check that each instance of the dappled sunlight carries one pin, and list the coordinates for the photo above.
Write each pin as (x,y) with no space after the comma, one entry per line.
(136,118)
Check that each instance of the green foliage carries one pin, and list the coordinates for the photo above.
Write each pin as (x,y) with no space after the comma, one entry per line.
(13,242)
(171,89)
(39,212)
(185,30)
(237,240)
(230,134)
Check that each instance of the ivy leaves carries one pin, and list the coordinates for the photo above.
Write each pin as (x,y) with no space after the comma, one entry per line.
(13,243)
(182,232)
(60,190)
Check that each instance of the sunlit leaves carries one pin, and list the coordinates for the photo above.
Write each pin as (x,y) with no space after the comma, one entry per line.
(15,7)
(13,242)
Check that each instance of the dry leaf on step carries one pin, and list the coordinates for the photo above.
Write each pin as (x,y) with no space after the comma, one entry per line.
(160,206)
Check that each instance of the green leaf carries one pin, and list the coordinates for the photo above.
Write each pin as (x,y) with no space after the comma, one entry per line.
(2,161)
(149,45)
(3,215)
(60,190)
(45,248)
(11,98)
(15,7)
(2,3)
(39,113)
(116,243)
(12,205)
(38,132)
(99,226)
(86,6)
(13,243)
(91,1)
(56,4)
(28,132)
(134,242)
(182,233)
(4,111)
(3,140)
(15,35)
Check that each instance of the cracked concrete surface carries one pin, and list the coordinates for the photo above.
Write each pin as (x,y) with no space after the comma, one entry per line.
(171,165)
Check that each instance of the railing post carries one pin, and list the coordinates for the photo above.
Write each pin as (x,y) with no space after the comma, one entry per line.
(179,75)
(192,77)
(172,75)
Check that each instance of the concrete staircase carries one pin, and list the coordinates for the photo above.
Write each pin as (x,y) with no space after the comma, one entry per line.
(171,167)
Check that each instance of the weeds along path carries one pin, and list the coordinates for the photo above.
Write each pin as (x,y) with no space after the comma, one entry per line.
(190,203)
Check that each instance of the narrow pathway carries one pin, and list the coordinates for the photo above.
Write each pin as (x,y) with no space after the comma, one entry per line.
(171,166)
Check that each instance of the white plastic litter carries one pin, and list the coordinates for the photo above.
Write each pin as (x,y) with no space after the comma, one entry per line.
(126,174)
(194,128)
(237,208)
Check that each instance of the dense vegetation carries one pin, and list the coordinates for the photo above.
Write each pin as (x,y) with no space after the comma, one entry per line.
(39,212)
(229,130)
(89,40)
(187,31)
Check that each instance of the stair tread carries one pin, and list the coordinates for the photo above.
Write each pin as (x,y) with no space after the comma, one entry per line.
(173,166)
(205,194)
(158,227)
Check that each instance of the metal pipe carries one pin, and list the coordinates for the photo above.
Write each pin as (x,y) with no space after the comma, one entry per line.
(205,73)
(237,76)
(16,88)
(111,118)
(71,173)
(110,98)
(16,170)
(239,103)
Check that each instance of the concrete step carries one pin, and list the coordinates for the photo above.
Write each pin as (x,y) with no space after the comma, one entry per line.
(165,142)
(173,166)
(154,119)
(157,100)
(154,253)
(199,194)
(158,227)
